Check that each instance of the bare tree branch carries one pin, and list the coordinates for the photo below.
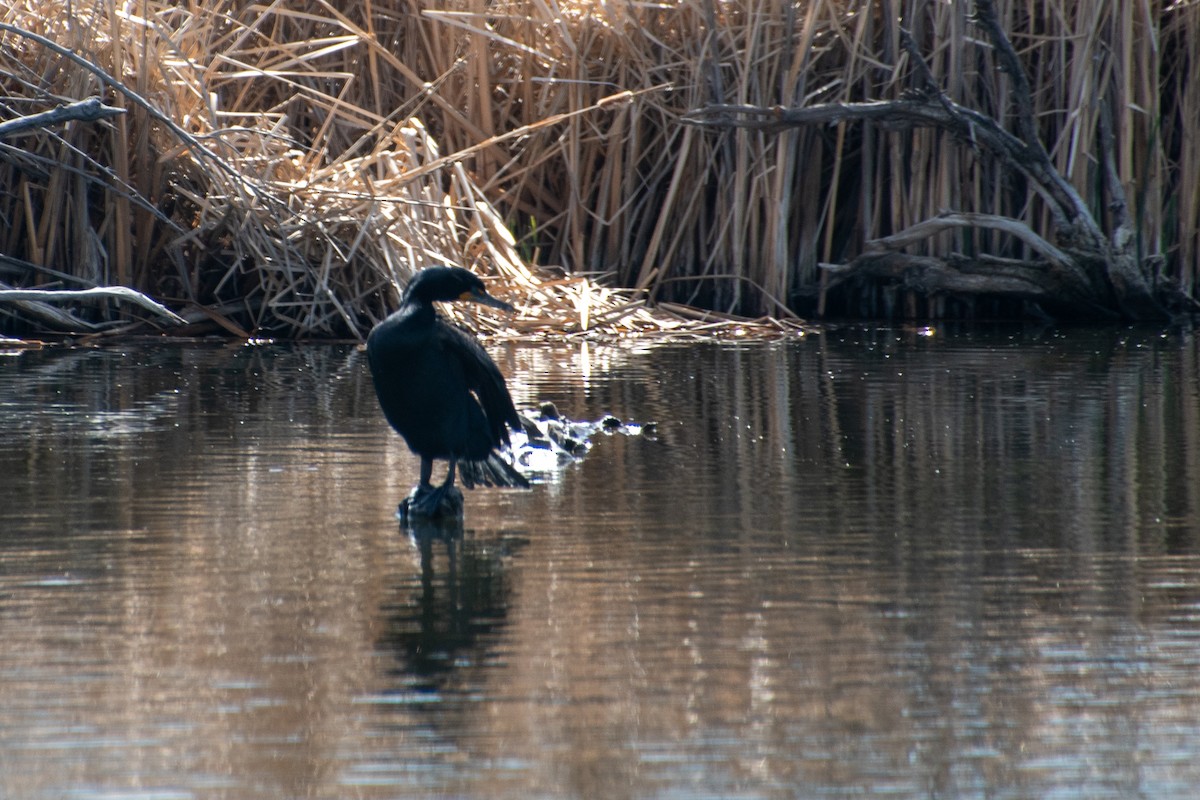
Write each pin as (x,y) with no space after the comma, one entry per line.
(89,110)
(121,293)
(930,275)
(965,219)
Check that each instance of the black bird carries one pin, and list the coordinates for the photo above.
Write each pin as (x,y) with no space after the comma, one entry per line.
(440,391)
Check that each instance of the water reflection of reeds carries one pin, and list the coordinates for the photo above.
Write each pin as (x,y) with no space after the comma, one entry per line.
(915,566)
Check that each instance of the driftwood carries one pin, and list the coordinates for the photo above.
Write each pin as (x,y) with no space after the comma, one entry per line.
(35,300)
(1085,272)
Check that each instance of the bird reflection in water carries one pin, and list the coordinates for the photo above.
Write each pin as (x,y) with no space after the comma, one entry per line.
(449,623)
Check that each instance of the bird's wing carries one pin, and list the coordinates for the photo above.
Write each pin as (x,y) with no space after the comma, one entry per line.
(484,379)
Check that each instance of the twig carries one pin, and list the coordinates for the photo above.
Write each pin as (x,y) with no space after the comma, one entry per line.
(90,110)
(1022,95)
(1068,205)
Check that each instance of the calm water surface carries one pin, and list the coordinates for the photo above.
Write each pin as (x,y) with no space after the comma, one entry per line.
(864,564)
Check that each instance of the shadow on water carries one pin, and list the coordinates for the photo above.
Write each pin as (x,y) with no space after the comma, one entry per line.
(865,563)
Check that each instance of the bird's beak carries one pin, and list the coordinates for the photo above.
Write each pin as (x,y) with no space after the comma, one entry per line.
(480,296)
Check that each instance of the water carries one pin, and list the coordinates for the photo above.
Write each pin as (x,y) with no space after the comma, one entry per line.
(865,564)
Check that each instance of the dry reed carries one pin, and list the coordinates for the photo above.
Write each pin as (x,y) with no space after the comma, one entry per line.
(741,221)
(244,184)
(284,167)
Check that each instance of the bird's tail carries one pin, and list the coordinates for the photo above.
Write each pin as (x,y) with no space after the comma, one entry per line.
(491,471)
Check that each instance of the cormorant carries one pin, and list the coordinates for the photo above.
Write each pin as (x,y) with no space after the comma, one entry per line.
(440,391)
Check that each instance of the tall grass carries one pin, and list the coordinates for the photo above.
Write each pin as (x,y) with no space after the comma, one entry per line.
(740,221)
(263,177)
(286,166)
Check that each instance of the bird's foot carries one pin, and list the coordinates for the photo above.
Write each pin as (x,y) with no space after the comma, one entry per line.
(431,502)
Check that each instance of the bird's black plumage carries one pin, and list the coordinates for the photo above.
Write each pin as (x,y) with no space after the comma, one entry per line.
(439,389)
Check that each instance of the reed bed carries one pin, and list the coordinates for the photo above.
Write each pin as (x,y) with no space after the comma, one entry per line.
(741,221)
(245,188)
(282,168)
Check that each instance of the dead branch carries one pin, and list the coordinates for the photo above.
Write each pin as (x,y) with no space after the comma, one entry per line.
(931,275)
(120,293)
(969,126)
(90,110)
(931,227)
(1052,276)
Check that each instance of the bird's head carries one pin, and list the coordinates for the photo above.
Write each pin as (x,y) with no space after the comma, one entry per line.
(446,284)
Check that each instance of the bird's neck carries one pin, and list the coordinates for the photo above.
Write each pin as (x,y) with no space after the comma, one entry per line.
(418,310)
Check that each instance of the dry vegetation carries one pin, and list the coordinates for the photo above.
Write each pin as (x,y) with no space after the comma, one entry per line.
(282,168)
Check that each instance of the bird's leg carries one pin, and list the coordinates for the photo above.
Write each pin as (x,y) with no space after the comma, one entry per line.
(424,499)
(449,496)
(453,495)
(429,501)
(426,481)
